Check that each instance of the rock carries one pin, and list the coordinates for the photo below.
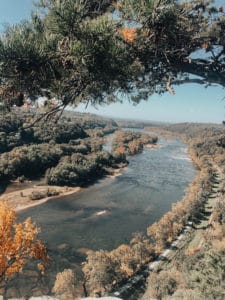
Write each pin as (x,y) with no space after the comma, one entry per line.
(63,246)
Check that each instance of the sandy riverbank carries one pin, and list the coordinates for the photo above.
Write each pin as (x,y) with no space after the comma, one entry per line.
(152,146)
(20,200)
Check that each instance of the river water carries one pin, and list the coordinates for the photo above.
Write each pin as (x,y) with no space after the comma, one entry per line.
(106,214)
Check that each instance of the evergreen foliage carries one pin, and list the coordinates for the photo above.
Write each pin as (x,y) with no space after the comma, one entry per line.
(92,51)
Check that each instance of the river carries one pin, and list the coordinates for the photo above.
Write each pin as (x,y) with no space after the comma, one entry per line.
(106,214)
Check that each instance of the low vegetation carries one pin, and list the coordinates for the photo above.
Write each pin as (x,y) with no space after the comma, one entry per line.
(43,193)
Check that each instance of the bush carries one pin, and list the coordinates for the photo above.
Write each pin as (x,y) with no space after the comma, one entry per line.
(40,194)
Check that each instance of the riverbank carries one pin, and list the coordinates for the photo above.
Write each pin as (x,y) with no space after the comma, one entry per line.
(201,240)
(152,146)
(21,199)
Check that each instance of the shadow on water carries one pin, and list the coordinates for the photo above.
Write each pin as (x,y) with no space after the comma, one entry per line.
(3,187)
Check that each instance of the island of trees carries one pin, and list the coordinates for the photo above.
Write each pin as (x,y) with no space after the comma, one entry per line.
(130,142)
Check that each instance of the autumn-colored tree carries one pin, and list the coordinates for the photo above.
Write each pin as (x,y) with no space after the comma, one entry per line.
(123,257)
(143,249)
(64,286)
(162,284)
(131,142)
(134,147)
(18,244)
(99,272)
(120,149)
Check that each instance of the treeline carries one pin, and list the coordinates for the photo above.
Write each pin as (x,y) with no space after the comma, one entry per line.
(104,270)
(198,270)
(14,134)
(79,169)
(131,142)
(137,124)
(195,130)
(15,130)
(67,153)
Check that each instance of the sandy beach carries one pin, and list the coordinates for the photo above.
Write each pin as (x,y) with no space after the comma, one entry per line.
(20,200)
(152,146)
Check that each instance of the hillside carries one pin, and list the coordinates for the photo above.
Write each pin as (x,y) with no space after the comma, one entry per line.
(51,147)
(196,267)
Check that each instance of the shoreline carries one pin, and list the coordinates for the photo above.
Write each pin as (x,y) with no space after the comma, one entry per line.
(152,146)
(19,203)
(19,200)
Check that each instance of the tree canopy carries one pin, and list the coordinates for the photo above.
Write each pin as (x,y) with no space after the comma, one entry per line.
(92,51)
(18,245)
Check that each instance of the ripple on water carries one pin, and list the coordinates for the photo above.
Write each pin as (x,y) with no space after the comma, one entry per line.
(107,213)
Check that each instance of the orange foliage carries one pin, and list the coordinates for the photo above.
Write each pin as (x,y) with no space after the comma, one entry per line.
(120,149)
(18,243)
(128,34)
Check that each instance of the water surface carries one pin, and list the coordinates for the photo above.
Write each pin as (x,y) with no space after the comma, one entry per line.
(106,214)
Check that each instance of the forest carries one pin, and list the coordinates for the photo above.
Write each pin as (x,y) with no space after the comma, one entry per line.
(104,270)
(67,153)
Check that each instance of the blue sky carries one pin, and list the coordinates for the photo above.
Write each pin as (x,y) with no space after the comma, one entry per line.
(12,11)
(191,103)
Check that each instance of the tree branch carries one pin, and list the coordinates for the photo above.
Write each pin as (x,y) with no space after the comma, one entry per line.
(204,69)
(188,80)
(45,115)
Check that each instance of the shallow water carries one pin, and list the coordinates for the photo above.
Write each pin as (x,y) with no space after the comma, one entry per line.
(106,214)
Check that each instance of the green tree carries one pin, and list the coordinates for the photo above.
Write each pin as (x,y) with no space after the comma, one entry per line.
(168,32)
(88,51)
(74,52)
